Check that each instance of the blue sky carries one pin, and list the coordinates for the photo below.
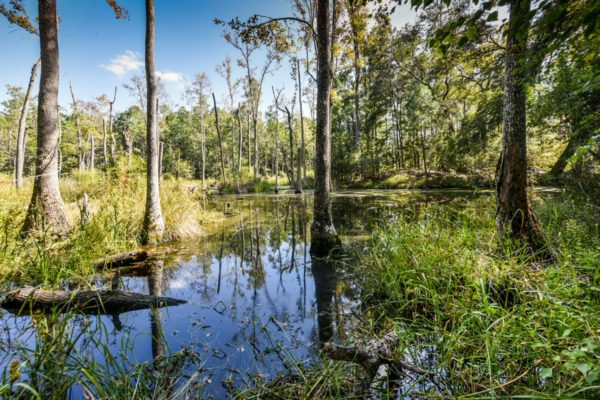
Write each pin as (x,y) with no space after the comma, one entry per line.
(99,52)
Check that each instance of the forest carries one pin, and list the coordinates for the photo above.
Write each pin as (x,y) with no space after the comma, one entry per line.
(346,199)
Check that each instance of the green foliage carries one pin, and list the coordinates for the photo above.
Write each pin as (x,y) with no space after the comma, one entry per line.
(499,326)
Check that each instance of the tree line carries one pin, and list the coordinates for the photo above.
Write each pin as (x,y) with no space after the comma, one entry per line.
(459,89)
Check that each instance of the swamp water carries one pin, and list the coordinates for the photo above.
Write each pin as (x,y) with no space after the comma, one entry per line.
(258,304)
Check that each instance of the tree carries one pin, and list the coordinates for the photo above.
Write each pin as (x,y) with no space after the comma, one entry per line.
(197,94)
(154,225)
(46,209)
(218,127)
(323,233)
(20,160)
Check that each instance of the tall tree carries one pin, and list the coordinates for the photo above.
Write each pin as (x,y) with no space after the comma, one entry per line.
(323,233)
(515,217)
(20,161)
(154,224)
(46,208)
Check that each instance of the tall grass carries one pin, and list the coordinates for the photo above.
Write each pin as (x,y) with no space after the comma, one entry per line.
(116,203)
(67,357)
(491,324)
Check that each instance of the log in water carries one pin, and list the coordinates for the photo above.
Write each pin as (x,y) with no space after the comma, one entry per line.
(86,301)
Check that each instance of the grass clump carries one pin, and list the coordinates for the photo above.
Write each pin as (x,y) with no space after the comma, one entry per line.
(491,324)
(116,203)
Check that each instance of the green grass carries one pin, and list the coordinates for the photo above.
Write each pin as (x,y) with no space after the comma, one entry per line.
(497,324)
(417,179)
(69,353)
(117,206)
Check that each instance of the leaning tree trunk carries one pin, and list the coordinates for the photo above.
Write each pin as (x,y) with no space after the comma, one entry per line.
(577,139)
(154,224)
(20,159)
(46,209)
(324,235)
(515,218)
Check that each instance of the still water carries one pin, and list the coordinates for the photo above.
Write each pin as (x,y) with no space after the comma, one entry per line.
(258,304)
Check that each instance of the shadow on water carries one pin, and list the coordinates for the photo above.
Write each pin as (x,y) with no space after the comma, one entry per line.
(257,303)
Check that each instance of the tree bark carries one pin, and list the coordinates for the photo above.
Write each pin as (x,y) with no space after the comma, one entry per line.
(324,235)
(154,224)
(21,134)
(515,218)
(46,209)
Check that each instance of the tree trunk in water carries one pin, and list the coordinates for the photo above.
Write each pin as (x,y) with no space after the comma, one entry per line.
(154,224)
(46,209)
(155,284)
(299,172)
(20,159)
(324,235)
(223,177)
(515,218)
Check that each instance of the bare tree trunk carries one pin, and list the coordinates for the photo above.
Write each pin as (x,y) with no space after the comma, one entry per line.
(303,147)
(515,218)
(80,151)
(154,224)
(113,143)
(240,142)
(46,209)
(291,137)
(104,143)
(217,125)
(299,173)
(92,153)
(203,151)
(324,235)
(20,159)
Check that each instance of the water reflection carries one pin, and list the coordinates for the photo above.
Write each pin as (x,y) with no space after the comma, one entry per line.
(257,302)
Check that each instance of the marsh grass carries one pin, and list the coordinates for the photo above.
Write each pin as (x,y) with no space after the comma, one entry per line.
(491,324)
(62,356)
(116,202)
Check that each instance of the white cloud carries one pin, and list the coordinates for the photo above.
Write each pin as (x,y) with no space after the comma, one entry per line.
(124,63)
(171,77)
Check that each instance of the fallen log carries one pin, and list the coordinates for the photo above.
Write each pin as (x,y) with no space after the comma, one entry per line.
(121,259)
(85,301)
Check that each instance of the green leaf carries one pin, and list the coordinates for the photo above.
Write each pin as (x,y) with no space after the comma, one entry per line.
(592,377)
(545,373)
(492,17)
(583,368)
